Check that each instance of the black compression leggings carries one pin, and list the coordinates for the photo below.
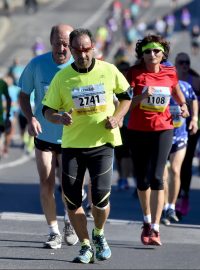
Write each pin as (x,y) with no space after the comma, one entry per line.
(150,151)
(99,162)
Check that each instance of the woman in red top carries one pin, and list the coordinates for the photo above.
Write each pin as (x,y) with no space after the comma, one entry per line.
(151,128)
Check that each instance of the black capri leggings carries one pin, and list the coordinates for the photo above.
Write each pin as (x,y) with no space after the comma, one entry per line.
(149,152)
(99,162)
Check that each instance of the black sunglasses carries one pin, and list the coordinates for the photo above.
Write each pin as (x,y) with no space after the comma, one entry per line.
(181,62)
(155,51)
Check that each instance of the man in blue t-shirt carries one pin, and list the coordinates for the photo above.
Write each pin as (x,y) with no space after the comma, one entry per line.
(36,77)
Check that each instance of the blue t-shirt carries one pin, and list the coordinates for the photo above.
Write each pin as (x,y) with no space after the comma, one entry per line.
(36,77)
(180,130)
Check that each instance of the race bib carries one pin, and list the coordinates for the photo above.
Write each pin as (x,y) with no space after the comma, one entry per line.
(178,120)
(158,102)
(89,99)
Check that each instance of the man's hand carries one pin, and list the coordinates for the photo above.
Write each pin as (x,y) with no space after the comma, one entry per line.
(34,127)
(111,122)
(193,126)
(66,118)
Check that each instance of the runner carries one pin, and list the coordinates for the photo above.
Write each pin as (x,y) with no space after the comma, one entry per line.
(177,153)
(151,128)
(85,91)
(36,77)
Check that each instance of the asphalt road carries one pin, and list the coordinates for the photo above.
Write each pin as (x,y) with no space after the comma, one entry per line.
(23,228)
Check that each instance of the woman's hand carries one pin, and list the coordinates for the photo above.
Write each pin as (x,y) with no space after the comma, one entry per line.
(148,92)
(184,111)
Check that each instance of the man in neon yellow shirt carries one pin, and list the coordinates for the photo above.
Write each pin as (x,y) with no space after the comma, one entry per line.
(84,91)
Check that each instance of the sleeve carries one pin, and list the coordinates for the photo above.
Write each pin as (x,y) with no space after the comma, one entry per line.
(26,80)
(122,84)
(52,98)
(192,95)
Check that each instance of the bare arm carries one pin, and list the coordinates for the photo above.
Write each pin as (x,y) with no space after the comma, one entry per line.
(194,107)
(8,105)
(180,99)
(34,127)
(57,118)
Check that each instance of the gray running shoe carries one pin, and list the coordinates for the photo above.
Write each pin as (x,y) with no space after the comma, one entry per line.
(171,214)
(54,241)
(70,236)
(164,218)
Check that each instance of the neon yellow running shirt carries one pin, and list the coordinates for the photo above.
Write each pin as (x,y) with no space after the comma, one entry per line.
(91,97)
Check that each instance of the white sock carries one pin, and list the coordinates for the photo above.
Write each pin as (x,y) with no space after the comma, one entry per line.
(53,228)
(166,206)
(172,206)
(147,219)
(155,227)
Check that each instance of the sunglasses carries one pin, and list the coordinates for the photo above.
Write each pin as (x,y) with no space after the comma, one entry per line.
(155,51)
(182,62)
(85,50)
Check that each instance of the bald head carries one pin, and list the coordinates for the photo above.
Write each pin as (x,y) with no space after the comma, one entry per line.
(59,39)
(60,28)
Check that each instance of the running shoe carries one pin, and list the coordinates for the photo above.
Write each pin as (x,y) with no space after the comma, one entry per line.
(171,215)
(70,236)
(54,241)
(145,233)
(126,184)
(164,218)
(122,184)
(86,255)
(154,238)
(103,251)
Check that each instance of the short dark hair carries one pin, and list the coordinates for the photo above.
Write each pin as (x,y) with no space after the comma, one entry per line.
(80,32)
(152,38)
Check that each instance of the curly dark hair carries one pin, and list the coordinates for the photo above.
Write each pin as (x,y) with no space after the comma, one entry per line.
(152,38)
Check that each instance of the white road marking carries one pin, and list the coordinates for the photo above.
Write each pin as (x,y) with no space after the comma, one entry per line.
(17,162)
(97,15)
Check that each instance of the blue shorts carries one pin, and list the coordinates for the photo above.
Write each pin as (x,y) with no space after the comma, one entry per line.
(178,146)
